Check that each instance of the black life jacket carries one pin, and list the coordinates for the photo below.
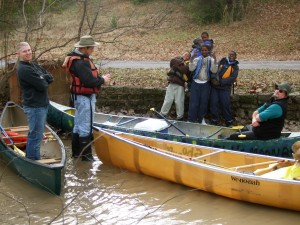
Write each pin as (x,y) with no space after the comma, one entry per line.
(272,128)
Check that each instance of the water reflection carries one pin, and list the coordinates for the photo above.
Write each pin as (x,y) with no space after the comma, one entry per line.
(100,194)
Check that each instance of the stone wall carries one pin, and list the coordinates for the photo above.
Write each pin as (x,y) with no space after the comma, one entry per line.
(133,100)
(140,100)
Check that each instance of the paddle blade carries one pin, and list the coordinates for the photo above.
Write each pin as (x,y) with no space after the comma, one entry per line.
(152,109)
(19,151)
(238,127)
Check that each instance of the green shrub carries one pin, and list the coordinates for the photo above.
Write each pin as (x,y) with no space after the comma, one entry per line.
(216,11)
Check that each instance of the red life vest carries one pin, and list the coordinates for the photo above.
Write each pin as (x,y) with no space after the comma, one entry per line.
(77,87)
(19,140)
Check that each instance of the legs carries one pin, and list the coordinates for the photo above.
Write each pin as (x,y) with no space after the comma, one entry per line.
(175,93)
(199,98)
(179,101)
(36,118)
(220,100)
(249,136)
(168,101)
(82,131)
(214,106)
(194,101)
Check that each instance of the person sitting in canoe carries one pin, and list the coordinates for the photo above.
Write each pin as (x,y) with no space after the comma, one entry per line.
(268,120)
(289,172)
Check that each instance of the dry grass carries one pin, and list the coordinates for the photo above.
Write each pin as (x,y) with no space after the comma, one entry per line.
(269,32)
(249,81)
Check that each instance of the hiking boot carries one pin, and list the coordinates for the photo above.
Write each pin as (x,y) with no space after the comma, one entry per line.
(86,149)
(75,145)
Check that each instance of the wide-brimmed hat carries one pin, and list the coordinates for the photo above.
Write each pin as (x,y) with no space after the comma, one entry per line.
(86,41)
(284,86)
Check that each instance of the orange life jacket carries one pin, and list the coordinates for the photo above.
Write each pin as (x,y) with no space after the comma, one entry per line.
(77,87)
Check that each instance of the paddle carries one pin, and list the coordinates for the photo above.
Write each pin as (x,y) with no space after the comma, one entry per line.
(158,113)
(16,149)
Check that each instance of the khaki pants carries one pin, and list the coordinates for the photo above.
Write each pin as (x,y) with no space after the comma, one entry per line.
(175,93)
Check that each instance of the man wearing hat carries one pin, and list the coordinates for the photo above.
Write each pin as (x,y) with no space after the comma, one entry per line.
(268,120)
(85,84)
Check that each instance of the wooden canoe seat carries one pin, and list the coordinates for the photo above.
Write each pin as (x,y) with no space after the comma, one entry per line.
(48,161)
(17,129)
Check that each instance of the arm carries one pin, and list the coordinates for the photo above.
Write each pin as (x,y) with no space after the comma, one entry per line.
(261,115)
(255,119)
(214,65)
(33,76)
(193,64)
(82,69)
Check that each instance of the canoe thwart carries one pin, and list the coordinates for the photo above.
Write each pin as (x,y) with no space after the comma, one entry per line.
(17,129)
(259,164)
(48,161)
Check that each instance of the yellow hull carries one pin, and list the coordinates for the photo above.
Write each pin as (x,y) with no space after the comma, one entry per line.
(223,172)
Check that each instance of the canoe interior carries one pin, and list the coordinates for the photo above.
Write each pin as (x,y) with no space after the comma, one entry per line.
(223,172)
(14,119)
(220,158)
(207,135)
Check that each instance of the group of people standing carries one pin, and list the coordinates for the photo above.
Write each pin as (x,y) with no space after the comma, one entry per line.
(85,83)
(208,81)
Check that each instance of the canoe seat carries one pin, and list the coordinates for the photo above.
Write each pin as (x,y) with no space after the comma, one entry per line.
(17,129)
(48,161)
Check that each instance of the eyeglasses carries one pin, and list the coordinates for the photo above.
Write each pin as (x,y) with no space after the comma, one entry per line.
(280,91)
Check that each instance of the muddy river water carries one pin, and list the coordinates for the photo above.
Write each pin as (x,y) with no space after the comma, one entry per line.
(95,193)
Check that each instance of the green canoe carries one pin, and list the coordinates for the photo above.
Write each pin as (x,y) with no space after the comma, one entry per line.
(47,173)
(62,117)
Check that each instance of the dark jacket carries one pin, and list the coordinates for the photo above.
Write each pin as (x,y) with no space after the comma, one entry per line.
(179,72)
(226,75)
(34,81)
(82,69)
(272,128)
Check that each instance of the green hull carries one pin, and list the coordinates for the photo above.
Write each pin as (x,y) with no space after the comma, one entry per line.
(197,134)
(49,177)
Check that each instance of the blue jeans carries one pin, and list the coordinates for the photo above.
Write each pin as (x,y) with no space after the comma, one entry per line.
(84,115)
(198,104)
(36,118)
(220,100)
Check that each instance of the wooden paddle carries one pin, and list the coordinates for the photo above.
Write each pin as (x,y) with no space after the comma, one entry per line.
(158,113)
(16,149)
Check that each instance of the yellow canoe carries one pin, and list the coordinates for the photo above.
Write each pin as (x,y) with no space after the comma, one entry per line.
(223,172)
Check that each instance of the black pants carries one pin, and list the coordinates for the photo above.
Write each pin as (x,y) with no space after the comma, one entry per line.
(249,136)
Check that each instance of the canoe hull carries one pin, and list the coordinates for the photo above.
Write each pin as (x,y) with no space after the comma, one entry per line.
(59,118)
(114,150)
(49,177)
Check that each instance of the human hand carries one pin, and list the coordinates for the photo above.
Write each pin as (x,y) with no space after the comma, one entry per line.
(106,78)
(213,55)
(255,123)
(48,78)
(215,82)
